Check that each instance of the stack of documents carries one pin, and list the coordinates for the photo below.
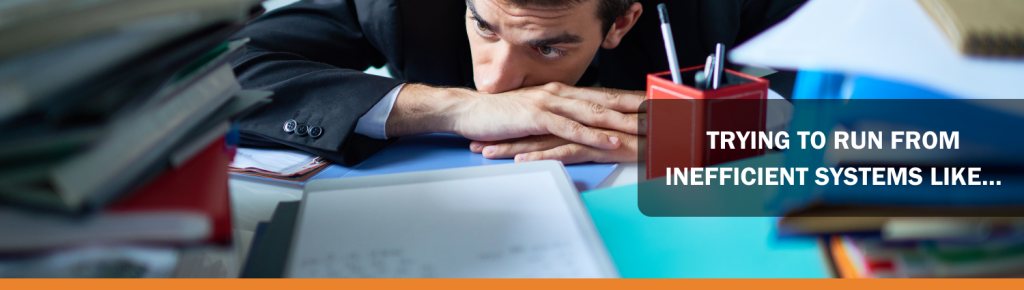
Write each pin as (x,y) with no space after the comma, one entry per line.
(115,121)
(287,165)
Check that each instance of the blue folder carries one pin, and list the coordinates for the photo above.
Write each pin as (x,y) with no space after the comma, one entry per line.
(441,151)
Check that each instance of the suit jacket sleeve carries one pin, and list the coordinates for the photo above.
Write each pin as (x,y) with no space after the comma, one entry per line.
(311,54)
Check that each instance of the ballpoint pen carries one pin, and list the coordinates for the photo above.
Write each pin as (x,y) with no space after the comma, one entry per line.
(719,64)
(670,46)
(708,68)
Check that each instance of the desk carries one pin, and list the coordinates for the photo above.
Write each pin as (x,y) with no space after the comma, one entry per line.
(701,247)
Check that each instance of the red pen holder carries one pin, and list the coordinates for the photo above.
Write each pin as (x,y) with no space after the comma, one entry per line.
(678,117)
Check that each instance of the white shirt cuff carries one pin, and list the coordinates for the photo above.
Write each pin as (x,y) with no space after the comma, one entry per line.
(372,123)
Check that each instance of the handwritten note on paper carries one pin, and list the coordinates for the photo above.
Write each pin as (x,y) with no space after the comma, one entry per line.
(504,226)
(384,263)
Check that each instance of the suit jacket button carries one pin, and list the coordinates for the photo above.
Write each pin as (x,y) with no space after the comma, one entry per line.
(289,126)
(302,129)
(315,131)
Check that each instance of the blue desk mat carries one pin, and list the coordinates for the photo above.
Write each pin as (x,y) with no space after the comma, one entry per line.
(699,247)
(443,151)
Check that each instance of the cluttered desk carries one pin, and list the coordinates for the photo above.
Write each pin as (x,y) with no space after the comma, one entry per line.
(428,207)
(641,246)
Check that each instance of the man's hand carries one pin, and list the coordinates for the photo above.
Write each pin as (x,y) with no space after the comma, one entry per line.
(551,147)
(566,112)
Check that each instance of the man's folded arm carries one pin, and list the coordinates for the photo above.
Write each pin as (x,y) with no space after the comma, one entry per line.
(312,56)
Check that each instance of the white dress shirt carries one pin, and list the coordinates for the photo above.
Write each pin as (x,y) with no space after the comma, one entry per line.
(372,123)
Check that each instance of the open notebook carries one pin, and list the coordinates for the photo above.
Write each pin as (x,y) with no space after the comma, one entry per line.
(510,220)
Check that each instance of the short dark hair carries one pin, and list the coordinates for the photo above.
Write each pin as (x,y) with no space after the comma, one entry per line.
(607,10)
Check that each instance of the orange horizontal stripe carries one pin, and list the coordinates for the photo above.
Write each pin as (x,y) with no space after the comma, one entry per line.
(527,284)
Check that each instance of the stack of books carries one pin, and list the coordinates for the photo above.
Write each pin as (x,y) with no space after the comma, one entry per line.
(918,247)
(962,247)
(941,227)
(116,133)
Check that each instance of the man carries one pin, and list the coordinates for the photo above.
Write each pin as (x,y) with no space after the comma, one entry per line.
(489,70)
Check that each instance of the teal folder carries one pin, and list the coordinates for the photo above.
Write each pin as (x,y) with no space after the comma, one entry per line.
(700,247)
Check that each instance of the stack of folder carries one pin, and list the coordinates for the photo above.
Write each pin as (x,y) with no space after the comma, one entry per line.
(116,134)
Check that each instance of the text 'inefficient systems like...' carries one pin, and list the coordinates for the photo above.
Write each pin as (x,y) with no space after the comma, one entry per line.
(850,176)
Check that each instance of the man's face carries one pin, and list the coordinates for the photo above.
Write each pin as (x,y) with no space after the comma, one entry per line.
(516,47)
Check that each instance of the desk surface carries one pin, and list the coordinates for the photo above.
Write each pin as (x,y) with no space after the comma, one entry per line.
(672,247)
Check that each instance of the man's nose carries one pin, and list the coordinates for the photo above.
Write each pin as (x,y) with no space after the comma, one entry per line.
(503,73)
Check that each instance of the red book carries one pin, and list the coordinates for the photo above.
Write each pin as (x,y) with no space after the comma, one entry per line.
(200,186)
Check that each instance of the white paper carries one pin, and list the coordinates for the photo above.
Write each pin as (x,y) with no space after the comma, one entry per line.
(891,39)
(284,162)
(779,112)
(516,225)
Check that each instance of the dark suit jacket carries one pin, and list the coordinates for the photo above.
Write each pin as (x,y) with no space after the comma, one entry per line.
(311,54)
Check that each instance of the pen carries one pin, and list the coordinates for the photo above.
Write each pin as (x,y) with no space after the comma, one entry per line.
(670,46)
(708,65)
(719,65)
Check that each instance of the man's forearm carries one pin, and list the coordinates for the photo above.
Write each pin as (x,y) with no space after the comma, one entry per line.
(421,109)
(564,111)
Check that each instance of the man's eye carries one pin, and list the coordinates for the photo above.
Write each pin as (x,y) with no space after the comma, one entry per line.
(482,29)
(549,52)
